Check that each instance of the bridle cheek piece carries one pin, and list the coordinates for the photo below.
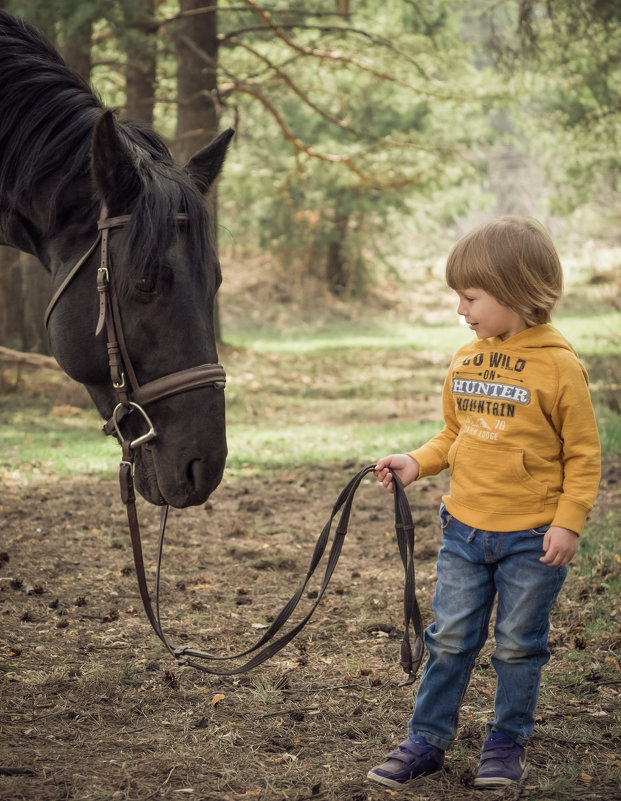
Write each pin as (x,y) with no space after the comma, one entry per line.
(131,396)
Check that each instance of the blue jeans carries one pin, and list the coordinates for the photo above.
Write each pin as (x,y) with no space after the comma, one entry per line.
(474,567)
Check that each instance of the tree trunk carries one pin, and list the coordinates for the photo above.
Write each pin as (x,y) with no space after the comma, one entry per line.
(77,49)
(196,39)
(140,76)
(36,290)
(11,311)
(337,273)
(11,300)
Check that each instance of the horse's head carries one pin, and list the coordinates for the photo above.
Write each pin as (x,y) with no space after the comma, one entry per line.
(164,273)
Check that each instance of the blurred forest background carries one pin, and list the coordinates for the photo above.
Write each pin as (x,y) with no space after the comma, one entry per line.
(370,133)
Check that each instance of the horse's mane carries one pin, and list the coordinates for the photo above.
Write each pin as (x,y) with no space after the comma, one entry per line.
(47,116)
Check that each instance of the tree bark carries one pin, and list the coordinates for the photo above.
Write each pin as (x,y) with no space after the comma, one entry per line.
(77,49)
(140,76)
(196,40)
(337,273)
(342,7)
(11,300)
(36,290)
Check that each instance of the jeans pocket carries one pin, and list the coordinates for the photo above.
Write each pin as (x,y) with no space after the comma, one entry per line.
(445,517)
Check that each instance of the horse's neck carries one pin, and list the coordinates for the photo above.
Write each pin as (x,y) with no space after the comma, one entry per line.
(51,237)
(17,233)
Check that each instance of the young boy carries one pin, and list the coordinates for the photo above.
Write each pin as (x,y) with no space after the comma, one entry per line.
(521,444)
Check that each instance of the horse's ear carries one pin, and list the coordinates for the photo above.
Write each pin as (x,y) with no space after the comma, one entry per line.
(112,165)
(204,167)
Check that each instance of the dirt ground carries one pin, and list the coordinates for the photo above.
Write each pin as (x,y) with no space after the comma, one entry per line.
(94,709)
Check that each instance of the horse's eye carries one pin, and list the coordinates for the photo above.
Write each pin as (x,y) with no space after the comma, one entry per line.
(146,284)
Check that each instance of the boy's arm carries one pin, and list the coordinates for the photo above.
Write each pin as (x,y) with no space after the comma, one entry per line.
(433,456)
(574,419)
(430,458)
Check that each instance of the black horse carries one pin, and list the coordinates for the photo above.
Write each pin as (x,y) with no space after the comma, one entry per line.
(101,202)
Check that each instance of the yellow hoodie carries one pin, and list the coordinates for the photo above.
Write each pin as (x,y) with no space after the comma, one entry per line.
(520,436)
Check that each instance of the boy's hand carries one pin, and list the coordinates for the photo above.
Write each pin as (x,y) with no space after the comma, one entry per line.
(404,466)
(560,545)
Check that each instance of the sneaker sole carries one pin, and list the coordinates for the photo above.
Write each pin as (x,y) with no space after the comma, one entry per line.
(384,780)
(497,781)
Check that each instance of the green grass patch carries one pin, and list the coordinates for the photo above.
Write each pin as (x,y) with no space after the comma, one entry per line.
(34,441)
(345,392)
(609,425)
(368,336)
(298,443)
(352,391)
(595,333)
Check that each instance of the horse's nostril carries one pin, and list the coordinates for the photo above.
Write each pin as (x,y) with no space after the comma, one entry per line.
(193,472)
(198,474)
(203,477)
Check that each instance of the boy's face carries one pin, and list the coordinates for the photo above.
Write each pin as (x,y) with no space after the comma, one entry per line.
(486,316)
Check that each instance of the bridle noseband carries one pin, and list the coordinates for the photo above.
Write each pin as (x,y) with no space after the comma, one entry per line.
(131,395)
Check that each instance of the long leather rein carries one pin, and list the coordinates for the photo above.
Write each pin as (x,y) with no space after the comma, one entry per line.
(266,647)
(132,397)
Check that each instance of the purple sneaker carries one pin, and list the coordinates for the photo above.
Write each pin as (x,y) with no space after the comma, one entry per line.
(412,758)
(503,762)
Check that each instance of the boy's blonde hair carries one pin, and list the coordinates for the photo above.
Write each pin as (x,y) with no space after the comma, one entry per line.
(513,259)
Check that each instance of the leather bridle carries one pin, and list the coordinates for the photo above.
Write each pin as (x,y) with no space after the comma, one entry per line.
(133,397)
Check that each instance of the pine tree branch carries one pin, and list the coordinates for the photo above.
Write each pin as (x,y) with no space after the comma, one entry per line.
(336,29)
(323,54)
(297,144)
(333,120)
(347,161)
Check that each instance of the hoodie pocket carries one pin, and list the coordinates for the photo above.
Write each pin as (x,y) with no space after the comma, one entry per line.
(491,478)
